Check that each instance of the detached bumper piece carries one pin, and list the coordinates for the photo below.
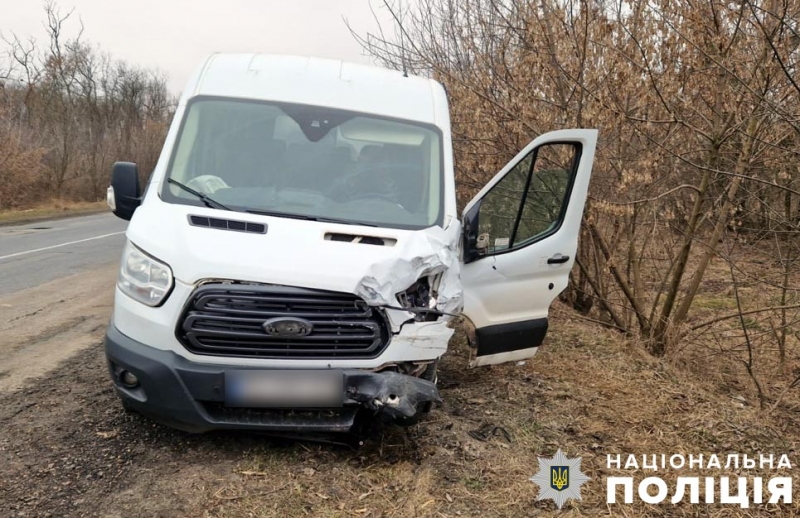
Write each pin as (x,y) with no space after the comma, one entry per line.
(393,394)
(191,396)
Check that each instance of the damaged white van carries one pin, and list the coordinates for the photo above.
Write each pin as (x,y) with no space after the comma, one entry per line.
(296,257)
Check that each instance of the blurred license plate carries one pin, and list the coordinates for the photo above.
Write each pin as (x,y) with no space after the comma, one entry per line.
(283,389)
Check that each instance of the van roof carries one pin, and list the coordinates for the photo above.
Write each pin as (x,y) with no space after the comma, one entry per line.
(320,82)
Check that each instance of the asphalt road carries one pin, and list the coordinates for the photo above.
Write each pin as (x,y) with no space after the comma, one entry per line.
(41,252)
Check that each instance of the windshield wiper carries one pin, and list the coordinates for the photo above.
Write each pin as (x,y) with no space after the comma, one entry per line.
(304,217)
(278,214)
(209,202)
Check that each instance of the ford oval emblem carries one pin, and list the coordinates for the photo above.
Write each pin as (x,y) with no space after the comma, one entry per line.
(287,327)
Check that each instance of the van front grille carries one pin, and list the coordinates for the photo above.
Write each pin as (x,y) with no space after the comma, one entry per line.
(249,320)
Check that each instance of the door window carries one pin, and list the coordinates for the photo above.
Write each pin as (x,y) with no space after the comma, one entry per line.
(528,203)
(500,207)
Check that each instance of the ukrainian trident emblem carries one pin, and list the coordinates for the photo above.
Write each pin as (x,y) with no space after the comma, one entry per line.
(559,477)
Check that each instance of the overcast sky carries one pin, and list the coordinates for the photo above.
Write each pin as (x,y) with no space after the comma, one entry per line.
(175,35)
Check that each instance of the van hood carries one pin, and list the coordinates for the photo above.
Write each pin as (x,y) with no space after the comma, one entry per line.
(296,252)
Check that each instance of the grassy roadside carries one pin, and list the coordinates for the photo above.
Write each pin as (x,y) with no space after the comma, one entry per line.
(54,210)
(588,392)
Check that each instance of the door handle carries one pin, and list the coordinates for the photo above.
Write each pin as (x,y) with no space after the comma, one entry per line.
(558,259)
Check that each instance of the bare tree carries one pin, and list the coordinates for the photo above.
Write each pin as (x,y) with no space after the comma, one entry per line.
(67,111)
(698,109)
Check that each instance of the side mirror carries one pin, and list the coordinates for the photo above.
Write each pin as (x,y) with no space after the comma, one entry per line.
(471,243)
(124,195)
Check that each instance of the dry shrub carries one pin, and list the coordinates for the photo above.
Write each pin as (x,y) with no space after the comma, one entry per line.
(695,179)
(20,167)
(68,112)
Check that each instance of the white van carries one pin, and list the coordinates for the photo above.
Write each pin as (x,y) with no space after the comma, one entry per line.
(296,260)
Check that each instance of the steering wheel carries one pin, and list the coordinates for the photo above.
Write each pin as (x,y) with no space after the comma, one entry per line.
(375,194)
(347,187)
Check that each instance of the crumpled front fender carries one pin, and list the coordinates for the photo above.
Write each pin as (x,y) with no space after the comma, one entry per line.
(429,252)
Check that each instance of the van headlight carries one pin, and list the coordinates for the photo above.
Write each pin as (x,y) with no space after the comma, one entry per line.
(142,277)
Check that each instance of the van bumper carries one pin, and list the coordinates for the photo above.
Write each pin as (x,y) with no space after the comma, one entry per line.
(190,396)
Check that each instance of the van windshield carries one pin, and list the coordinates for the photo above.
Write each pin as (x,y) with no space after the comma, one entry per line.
(309,162)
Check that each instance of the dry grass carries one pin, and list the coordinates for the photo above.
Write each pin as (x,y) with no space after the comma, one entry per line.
(587,392)
(716,354)
(51,210)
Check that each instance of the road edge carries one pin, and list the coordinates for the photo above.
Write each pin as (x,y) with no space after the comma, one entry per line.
(67,214)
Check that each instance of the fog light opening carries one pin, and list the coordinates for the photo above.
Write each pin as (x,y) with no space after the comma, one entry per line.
(128,379)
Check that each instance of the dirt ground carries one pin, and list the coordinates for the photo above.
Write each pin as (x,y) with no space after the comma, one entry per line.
(45,325)
(68,449)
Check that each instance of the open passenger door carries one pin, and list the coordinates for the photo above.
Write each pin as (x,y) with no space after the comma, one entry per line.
(520,239)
